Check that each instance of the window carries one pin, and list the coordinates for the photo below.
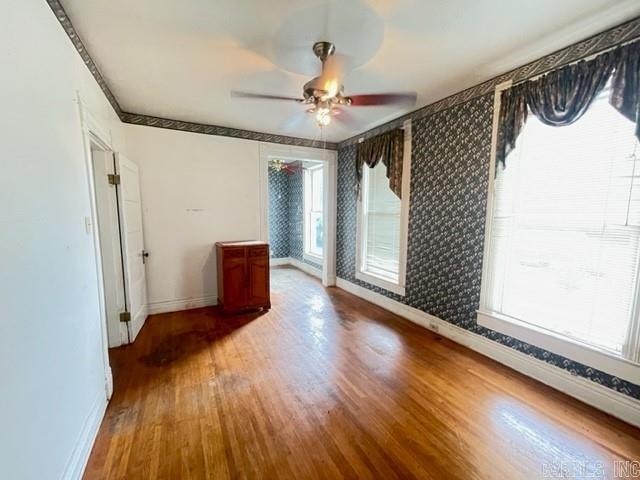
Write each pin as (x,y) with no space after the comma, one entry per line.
(564,236)
(313,216)
(382,226)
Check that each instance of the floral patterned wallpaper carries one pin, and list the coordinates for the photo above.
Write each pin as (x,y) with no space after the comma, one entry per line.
(449,180)
(278,214)
(296,218)
(296,214)
(286,215)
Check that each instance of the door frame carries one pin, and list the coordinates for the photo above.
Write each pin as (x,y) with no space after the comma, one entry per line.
(94,133)
(329,159)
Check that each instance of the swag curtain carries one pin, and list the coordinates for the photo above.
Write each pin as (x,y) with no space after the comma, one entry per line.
(387,148)
(561,97)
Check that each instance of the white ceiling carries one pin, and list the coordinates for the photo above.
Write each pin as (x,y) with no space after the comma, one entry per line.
(181,59)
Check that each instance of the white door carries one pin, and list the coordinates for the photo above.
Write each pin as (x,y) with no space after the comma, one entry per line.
(109,235)
(133,243)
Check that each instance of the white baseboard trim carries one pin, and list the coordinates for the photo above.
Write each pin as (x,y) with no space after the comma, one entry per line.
(591,393)
(294,262)
(181,304)
(279,261)
(108,382)
(77,462)
(305,267)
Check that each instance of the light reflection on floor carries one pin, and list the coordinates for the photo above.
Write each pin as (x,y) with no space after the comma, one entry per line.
(317,325)
(515,436)
(547,446)
(316,302)
(382,339)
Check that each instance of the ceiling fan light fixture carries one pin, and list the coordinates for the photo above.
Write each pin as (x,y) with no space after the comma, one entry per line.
(322,93)
(323,117)
(277,164)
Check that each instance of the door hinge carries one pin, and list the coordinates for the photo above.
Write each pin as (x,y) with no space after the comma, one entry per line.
(125,317)
(114,179)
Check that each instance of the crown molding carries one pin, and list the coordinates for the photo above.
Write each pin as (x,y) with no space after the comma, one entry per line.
(590,46)
(172,124)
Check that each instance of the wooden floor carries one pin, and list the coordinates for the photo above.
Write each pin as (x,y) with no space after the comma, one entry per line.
(326,385)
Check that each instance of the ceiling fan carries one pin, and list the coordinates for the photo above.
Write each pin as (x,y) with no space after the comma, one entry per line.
(278,165)
(325,93)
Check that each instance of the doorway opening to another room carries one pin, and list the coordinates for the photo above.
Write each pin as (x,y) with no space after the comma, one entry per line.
(299,209)
(118,223)
(116,227)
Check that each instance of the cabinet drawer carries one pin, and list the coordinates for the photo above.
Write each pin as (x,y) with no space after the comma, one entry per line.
(233,253)
(261,251)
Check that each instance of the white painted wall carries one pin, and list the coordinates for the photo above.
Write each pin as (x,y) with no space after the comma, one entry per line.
(52,385)
(196,190)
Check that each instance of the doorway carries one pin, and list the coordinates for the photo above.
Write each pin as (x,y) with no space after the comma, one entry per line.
(298,214)
(116,227)
(120,239)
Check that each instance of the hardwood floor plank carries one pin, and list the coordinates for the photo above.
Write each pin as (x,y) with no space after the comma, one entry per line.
(327,385)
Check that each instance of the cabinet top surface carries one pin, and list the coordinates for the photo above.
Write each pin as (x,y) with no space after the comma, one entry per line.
(241,243)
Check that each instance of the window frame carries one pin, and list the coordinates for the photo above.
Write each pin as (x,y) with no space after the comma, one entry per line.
(571,348)
(365,276)
(308,173)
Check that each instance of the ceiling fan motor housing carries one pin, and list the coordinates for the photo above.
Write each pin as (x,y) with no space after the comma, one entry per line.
(322,50)
(314,91)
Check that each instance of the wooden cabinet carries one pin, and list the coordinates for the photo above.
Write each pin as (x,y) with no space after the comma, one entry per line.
(243,275)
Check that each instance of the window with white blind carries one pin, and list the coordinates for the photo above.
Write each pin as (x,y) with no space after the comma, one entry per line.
(382,226)
(564,238)
(313,216)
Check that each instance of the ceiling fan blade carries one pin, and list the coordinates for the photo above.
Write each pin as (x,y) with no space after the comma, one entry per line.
(237,94)
(407,98)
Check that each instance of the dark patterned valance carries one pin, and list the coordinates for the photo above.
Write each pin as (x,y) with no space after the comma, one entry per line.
(388,148)
(564,95)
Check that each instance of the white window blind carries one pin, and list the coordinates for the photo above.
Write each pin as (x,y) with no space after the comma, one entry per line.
(381,225)
(313,222)
(565,233)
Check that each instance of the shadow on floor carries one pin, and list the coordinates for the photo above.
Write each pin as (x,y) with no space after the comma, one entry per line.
(182,344)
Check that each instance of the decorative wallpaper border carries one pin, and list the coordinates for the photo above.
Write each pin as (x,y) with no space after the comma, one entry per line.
(138,119)
(601,41)
(150,121)
(64,20)
(594,44)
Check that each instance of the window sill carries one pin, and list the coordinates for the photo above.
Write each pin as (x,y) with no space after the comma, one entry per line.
(380,282)
(555,343)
